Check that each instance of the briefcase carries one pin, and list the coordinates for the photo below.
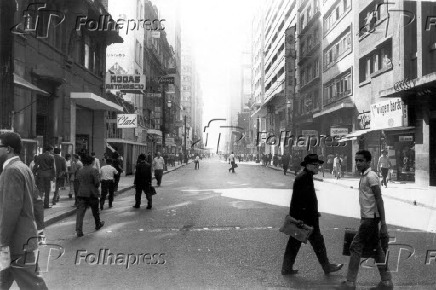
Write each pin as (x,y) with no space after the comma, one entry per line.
(290,228)
(348,238)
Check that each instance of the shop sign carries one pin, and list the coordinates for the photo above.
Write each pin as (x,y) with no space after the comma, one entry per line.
(127,121)
(364,120)
(388,114)
(405,138)
(338,131)
(125,82)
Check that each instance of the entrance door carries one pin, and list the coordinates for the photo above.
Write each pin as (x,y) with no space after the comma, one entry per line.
(432,152)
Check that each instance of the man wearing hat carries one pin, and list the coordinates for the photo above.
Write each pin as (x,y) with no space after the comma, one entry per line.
(304,209)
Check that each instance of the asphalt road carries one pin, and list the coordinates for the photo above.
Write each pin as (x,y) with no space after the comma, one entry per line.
(213,229)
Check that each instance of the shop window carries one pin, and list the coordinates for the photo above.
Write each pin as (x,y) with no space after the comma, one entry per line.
(86,52)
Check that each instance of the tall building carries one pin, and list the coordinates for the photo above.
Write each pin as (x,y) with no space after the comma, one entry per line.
(127,58)
(278,17)
(59,97)
(395,64)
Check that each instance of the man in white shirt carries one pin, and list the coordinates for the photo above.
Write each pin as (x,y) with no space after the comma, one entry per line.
(158,167)
(232,161)
(372,212)
(197,162)
(107,179)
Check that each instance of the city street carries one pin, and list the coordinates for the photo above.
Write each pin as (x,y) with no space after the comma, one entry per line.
(213,229)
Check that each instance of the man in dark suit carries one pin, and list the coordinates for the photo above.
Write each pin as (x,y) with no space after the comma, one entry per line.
(285,162)
(61,170)
(46,172)
(304,209)
(142,182)
(88,194)
(17,222)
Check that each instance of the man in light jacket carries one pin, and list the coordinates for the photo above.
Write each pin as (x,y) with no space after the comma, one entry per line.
(158,166)
(17,223)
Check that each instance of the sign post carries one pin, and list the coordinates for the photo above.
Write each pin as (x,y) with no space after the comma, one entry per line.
(164,81)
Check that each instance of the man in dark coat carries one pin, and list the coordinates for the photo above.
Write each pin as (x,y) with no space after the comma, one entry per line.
(143,178)
(304,209)
(285,161)
(61,170)
(88,194)
(45,172)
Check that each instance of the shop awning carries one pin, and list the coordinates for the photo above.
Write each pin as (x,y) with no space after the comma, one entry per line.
(94,102)
(354,135)
(333,109)
(154,132)
(22,83)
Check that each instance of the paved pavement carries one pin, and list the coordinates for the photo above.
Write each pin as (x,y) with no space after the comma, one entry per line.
(65,207)
(212,229)
(407,192)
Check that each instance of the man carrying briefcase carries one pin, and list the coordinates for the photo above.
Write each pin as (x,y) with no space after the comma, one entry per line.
(304,208)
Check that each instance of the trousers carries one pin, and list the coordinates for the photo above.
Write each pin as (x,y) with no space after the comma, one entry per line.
(138,193)
(45,186)
(82,205)
(24,272)
(107,186)
(158,173)
(367,237)
(316,239)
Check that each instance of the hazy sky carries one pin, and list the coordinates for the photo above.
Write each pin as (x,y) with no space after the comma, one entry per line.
(218,31)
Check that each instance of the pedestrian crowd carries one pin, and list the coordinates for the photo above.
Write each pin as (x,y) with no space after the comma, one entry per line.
(25,191)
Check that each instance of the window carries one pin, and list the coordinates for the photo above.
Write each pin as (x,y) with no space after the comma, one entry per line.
(302,22)
(303,77)
(386,57)
(309,13)
(316,67)
(86,52)
(337,13)
(138,53)
(375,63)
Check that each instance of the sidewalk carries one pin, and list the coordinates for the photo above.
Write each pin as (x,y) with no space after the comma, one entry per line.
(402,191)
(65,208)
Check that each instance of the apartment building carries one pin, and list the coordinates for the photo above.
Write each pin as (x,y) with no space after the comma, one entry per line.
(396,74)
(279,16)
(59,97)
(335,110)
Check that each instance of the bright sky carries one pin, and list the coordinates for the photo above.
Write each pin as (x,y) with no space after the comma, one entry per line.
(217,30)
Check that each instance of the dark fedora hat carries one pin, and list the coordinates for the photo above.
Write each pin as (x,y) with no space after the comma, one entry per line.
(311,158)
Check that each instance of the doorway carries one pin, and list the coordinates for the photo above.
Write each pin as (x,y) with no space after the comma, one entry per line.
(432,152)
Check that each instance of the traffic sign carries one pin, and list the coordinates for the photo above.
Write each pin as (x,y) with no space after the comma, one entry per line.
(166,80)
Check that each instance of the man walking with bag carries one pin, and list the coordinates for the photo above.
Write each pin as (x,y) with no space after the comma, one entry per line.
(372,212)
(61,170)
(304,209)
(142,181)
(46,173)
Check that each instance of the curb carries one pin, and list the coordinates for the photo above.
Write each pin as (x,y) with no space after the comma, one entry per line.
(348,186)
(68,213)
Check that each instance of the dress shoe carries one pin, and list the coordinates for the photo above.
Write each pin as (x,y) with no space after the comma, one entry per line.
(345,285)
(79,234)
(330,268)
(289,272)
(148,207)
(70,196)
(383,285)
(136,206)
(99,226)
(110,205)
(47,206)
